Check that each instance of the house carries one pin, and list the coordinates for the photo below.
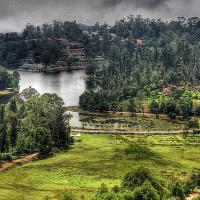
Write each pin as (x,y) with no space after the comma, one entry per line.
(68,43)
(26,66)
(76,52)
(139,42)
(166,90)
(60,63)
(32,67)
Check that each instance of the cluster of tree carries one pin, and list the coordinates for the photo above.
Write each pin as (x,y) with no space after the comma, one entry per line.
(168,56)
(57,29)
(173,104)
(13,53)
(141,184)
(138,27)
(167,45)
(169,104)
(33,123)
(37,42)
(8,80)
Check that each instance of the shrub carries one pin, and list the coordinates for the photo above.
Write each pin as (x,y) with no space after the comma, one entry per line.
(172,115)
(116,189)
(47,198)
(177,190)
(107,195)
(67,196)
(193,123)
(196,180)
(188,187)
(138,177)
(146,192)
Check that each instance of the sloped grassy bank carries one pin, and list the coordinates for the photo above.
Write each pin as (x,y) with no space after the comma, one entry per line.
(97,159)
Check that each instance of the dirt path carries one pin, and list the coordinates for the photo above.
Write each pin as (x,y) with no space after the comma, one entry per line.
(101,131)
(193,195)
(18,162)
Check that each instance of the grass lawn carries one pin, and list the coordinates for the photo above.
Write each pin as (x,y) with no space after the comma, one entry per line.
(101,159)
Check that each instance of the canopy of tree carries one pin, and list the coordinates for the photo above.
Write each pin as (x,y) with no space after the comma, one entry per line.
(33,123)
(8,80)
(167,57)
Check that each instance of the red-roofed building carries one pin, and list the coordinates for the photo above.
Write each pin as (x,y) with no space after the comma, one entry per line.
(139,42)
(68,43)
(166,90)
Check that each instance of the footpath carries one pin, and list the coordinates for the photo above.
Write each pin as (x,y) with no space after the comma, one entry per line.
(25,159)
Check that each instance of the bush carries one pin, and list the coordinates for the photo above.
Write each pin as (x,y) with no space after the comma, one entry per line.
(104,194)
(196,131)
(47,198)
(138,177)
(196,180)
(103,189)
(188,187)
(177,190)
(116,189)
(67,196)
(6,157)
(146,192)
(172,115)
(193,123)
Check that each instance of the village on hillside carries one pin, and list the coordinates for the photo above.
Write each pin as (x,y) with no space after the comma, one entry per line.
(72,54)
(72,57)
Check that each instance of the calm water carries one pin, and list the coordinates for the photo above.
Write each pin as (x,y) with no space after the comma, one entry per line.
(68,85)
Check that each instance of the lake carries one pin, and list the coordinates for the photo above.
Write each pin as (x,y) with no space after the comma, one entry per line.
(68,85)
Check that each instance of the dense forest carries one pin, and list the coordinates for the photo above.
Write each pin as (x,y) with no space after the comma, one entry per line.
(41,44)
(33,123)
(153,66)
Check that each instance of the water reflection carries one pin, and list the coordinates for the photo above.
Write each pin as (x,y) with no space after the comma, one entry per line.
(68,85)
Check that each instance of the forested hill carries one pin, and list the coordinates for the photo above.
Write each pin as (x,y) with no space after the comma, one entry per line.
(40,42)
(148,57)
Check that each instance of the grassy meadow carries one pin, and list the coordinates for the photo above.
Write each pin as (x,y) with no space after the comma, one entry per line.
(98,159)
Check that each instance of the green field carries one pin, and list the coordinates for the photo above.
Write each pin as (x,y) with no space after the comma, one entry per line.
(97,159)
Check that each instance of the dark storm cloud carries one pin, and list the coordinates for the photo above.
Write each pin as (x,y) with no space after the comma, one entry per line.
(147,4)
(14,14)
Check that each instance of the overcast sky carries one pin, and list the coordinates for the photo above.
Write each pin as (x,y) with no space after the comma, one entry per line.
(14,14)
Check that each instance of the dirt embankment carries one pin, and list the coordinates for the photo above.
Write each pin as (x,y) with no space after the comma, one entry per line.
(25,159)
